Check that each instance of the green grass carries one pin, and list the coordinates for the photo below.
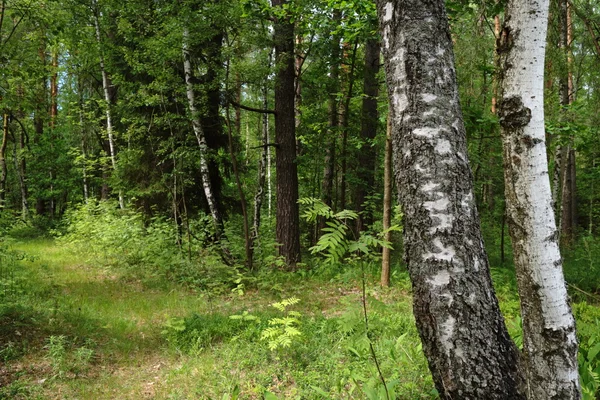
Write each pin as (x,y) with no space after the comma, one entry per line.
(98,334)
(82,330)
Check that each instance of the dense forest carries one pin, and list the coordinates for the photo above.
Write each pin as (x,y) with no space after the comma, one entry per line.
(391,199)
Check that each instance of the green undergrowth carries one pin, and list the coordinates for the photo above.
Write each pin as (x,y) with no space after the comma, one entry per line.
(82,327)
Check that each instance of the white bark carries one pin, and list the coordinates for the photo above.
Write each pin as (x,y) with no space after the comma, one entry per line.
(549,340)
(199,132)
(107,99)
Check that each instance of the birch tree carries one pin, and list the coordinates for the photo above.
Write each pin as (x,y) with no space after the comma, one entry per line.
(464,338)
(200,137)
(549,340)
(107,96)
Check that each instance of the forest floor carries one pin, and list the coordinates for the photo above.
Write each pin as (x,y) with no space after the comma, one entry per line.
(85,331)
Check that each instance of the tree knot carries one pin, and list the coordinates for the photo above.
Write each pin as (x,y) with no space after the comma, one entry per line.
(513,113)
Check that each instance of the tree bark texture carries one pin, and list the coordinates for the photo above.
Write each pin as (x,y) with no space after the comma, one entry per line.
(469,351)
(200,137)
(367,159)
(288,217)
(549,340)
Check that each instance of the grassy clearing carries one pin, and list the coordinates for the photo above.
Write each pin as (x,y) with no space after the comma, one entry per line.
(87,332)
(83,330)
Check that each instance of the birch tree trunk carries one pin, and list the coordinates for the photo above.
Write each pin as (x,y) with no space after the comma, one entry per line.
(464,338)
(549,340)
(107,98)
(200,137)
(262,171)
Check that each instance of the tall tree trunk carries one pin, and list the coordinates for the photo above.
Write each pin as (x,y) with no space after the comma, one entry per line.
(464,338)
(41,113)
(262,171)
(288,218)
(549,340)
(387,204)
(332,131)
(20,167)
(52,125)
(344,123)
(568,215)
(107,98)
(367,158)
(200,137)
(3,170)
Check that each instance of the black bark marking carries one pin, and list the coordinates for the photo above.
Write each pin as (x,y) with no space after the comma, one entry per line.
(513,113)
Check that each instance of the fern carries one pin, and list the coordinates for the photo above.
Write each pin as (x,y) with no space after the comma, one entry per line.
(282,331)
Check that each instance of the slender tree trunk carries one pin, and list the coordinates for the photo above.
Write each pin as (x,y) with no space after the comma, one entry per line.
(332,131)
(86,191)
(52,125)
(107,99)
(20,167)
(387,205)
(568,215)
(236,172)
(464,338)
(3,170)
(344,123)
(367,158)
(200,137)
(288,217)
(41,113)
(549,339)
(262,172)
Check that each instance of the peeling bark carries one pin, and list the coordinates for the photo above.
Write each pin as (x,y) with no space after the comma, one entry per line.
(549,340)
(464,338)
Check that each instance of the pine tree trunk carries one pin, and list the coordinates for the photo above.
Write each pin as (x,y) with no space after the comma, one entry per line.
(549,340)
(199,133)
(464,338)
(288,217)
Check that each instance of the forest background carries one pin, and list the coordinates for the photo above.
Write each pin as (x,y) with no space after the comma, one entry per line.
(140,154)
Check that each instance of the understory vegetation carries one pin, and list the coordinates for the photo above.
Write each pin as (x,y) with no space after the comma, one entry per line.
(112,306)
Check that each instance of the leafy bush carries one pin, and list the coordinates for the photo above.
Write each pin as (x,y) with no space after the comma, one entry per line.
(147,249)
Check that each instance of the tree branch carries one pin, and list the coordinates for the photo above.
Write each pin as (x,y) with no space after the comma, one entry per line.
(247,108)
